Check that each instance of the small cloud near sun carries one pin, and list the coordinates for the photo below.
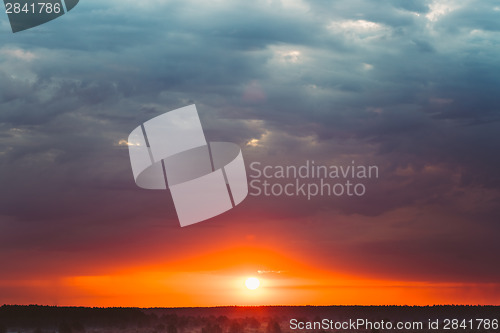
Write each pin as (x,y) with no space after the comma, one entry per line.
(270,272)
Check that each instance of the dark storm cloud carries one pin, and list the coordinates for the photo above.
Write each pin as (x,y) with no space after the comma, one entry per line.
(409,86)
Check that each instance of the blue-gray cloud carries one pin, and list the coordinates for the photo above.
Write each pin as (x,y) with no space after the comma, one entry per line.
(410,86)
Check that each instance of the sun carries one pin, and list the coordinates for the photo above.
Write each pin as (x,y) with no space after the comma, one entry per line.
(252,283)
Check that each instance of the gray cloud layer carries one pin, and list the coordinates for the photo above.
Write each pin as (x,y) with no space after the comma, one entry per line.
(410,86)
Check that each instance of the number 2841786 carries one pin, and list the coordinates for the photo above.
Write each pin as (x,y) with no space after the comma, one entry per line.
(32,8)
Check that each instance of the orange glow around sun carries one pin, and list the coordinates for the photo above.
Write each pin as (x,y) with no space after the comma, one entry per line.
(239,276)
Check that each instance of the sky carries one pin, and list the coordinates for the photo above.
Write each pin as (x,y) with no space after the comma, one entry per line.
(410,87)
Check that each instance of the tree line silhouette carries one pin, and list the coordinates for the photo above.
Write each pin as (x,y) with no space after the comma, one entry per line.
(50,319)
(265,319)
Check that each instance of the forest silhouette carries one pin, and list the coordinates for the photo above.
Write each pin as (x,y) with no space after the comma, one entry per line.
(256,319)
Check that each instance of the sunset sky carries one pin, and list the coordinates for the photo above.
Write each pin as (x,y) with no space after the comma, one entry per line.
(411,87)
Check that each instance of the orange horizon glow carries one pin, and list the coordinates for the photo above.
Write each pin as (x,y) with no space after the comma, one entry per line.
(218,279)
